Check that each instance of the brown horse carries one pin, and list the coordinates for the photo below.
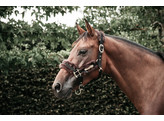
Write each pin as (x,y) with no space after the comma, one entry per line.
(136,69)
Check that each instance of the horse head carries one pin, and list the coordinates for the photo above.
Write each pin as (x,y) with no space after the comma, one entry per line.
(83,64)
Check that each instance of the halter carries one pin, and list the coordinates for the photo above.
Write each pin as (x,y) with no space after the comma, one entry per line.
(88,67)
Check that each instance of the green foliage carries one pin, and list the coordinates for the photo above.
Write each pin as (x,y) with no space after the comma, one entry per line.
(30,55)
(35,58)
(134,23)
(39,42)
(21,43)
(6,11)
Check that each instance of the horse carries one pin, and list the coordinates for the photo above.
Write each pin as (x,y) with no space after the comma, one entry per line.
(136,69)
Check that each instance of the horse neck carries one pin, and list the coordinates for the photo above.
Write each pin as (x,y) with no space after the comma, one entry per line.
(132,69)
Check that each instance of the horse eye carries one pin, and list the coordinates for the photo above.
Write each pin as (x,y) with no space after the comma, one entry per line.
(82,52)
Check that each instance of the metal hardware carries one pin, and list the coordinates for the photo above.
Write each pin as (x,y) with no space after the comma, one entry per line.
(91,66)
(78,92)
(77,73)
(101,48)
(100,69)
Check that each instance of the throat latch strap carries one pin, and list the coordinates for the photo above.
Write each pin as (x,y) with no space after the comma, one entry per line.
(101,50)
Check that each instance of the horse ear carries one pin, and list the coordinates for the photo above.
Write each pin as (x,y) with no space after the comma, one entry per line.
(79,29)
(90,30)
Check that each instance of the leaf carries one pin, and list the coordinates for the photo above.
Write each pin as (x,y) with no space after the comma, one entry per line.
(23,13)
(16,12)
(21,32)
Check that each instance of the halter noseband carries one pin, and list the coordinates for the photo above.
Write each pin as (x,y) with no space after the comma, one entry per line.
(88,67)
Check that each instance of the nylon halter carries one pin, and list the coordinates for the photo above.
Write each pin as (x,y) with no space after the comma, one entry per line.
(88,67)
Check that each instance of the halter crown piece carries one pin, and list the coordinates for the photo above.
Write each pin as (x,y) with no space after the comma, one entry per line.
(88,67)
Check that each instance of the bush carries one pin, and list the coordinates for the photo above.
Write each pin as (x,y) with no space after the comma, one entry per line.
(29,92)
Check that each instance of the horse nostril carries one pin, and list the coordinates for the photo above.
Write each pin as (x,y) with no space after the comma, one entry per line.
(58,87)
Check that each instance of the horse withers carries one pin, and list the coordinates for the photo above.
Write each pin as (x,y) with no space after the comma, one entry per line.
(136,69)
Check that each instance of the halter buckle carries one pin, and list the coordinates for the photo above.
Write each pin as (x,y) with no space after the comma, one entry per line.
(77,73)
(101,48)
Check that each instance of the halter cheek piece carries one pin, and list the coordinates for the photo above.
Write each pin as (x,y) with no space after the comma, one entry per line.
(88,67)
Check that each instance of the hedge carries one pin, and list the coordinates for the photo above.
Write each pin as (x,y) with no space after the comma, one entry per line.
(28,92)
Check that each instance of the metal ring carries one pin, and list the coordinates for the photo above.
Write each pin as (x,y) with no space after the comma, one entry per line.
(100,69)
(101,48)
(78,92)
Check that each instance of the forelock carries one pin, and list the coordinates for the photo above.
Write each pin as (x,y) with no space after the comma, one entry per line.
(83,36)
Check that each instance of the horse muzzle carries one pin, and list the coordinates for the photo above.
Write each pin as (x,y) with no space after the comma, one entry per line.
(60,92)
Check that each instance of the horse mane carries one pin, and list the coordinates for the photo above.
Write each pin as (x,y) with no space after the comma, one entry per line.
(159,54)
